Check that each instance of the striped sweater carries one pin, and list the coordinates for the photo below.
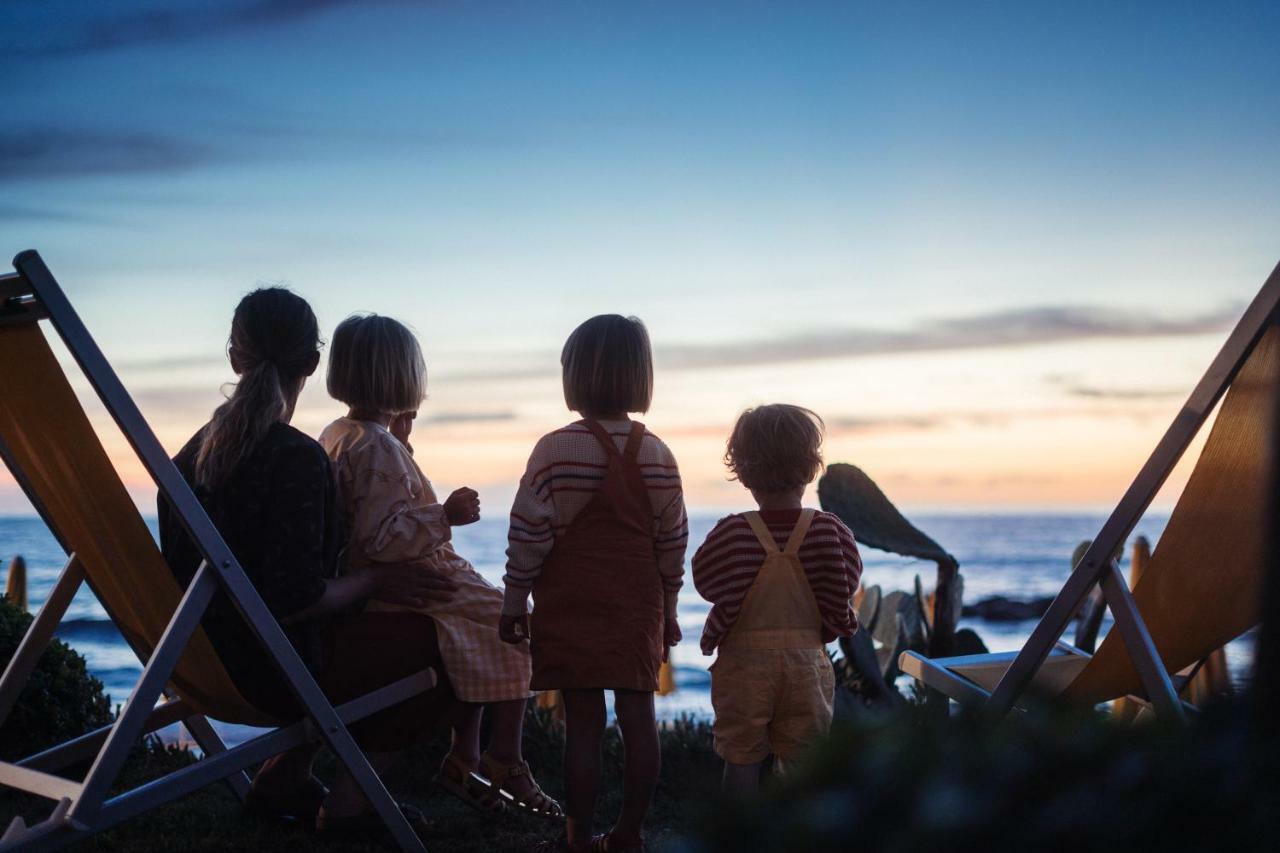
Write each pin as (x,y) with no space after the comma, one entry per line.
(725,567)
(564,471)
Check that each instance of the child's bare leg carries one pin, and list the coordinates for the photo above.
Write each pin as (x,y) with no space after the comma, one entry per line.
(506,742)
(466,734)
(506,731)
(584,718)
(643,760)
(742,779)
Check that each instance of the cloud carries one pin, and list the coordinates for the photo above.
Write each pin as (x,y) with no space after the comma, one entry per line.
(156,364)
(998,329)
(179,400)
(1018,327)
(878,424)
(1075,388)
(20,213)
(63,152)
(1125,394)
(1015,328)
(165,24)
(469,417)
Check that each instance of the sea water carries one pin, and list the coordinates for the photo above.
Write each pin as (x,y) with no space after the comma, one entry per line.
(1019,556)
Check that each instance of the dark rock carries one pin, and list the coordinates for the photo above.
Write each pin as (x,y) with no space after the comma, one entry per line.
(997,608)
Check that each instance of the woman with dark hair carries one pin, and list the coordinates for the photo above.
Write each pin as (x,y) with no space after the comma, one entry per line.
(269,489)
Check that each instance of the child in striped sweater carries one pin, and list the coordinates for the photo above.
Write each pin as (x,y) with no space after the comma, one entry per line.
(781,583)
(598,534)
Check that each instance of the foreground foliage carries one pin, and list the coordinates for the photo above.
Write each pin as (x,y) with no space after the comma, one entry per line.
(211,820)
(1051,780)
(61,699)
(902,779)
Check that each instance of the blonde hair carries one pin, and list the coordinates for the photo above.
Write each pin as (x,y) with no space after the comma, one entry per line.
(607,366)
(775,448)
(375,363)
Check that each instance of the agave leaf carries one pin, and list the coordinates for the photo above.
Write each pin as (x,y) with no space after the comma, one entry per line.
(855,498)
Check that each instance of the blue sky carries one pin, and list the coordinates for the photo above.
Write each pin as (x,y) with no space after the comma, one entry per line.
(943,225)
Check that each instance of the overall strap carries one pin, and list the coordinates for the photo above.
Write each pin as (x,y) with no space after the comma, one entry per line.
(632,450)
(799,532)
(762,532)
(602,435)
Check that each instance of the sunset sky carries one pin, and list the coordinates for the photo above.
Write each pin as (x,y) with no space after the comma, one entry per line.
(993,244)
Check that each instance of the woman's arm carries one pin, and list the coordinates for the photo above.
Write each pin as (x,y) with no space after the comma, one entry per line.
(294,579)
(409,584)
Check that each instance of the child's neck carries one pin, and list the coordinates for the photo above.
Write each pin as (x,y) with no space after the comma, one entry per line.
(606,416)
(357,414)
(769,501)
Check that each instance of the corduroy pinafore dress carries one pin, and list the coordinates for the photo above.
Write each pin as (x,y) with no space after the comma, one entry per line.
(598,603)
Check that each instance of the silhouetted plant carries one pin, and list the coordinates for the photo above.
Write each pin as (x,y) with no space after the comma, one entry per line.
(61,699)
(1050,780)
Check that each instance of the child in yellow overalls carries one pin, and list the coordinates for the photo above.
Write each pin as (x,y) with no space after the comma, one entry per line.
(781,583)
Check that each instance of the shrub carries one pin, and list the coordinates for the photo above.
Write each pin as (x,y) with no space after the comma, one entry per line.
(1048,780)
(61,699)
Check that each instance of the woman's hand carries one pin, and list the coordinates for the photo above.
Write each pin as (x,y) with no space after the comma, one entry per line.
(671,635)
(409,584)
(462,507)
(514,629)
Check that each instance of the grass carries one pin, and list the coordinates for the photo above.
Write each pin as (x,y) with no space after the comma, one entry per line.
(211,820)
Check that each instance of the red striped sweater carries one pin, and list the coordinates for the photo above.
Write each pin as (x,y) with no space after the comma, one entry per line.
(725,567)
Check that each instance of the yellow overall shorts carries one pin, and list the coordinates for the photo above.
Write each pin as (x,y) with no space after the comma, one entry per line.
(772,685)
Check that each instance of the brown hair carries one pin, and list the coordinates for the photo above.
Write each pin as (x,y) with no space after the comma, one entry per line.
(608,366)
(375,363)
(775,448)
(273,344)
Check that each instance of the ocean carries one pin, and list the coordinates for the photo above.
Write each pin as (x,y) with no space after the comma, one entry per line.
(1019,556)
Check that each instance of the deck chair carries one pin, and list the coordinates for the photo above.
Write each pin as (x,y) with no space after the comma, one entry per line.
(51,449)
(1203,586)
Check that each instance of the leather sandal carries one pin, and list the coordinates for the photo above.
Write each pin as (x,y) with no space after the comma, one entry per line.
(460,780)
(535,803)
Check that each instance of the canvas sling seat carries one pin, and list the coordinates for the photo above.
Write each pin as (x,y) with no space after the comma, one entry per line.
(1203,586)
(52,450)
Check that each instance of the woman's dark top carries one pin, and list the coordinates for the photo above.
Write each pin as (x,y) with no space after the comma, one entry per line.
(277,513)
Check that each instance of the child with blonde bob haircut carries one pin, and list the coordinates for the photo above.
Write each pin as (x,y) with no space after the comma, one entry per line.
(781,582)
(376,367)
(598,534)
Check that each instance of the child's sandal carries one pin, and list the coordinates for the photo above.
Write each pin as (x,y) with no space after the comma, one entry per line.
(606,844)
(535,803)
(461,781)
(553,845)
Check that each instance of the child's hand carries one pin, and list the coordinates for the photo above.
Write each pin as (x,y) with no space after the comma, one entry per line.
(401,426)
(514,629)
(671,635)
(462,507)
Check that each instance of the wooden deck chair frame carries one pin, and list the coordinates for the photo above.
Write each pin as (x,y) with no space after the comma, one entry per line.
(1098,566)
(83,808)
